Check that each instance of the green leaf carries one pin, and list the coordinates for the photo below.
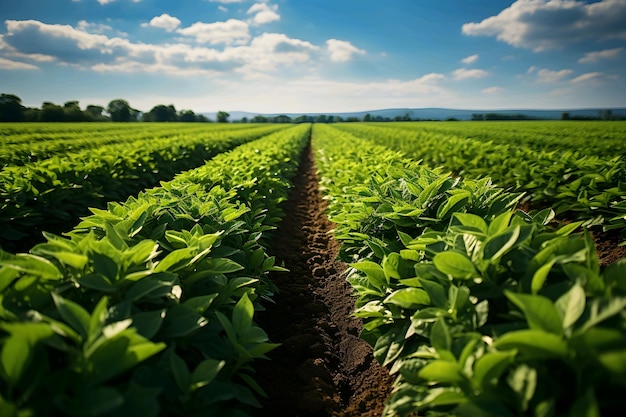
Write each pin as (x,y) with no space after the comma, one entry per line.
(73,314)
(442,372)
(533,344)
(500,223)
(32,265)
(408,297)
(148,323)
(374,273)
(92,402)
(201,303)
(471,220)
(97,282)
(242,314)
(18,348)
(598,310)
(440,337)
(205,373)
(540,312)
(220,266)
(540,276)
(491,365)
(180,371)
(454,203)
(496,246)
(571,305)
(455,264)
(389,346)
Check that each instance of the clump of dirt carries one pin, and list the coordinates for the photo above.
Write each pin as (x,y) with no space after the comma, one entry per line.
(322,367)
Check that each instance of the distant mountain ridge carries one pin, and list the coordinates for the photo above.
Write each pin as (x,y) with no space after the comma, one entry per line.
(438,113)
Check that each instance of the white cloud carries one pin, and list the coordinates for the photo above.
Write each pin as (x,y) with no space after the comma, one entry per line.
(7,64)
(263,13)
(541,24)
(545,75)
(230,32)
(165,21)
(342,51)
(222,8)
(226,1)
(103,2)
(470,59)
(591,57)
(464,73)
(493,90)
(590,76)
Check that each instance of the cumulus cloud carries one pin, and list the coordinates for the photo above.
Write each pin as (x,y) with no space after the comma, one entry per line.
(165,21)
(239,52)
(470,59)
(342,51)
(545,75)
(542,25)
(493,90)
(464,73)
(7,64)
(596,56)
(590,76)
(230,32)
(263,13)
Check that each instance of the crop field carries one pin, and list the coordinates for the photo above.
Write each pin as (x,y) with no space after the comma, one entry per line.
(346,269)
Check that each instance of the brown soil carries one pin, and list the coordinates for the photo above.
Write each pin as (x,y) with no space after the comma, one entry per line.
(322,367)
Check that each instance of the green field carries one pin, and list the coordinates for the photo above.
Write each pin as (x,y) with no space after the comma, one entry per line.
(135,258)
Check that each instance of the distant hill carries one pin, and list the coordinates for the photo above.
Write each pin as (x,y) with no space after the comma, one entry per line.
(440,113)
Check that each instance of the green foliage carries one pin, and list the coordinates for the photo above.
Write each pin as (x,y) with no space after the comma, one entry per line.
(574,167)
(57,190)
(147,308)
(480,309)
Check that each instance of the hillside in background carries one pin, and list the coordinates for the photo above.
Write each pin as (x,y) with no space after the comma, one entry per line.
(440,113)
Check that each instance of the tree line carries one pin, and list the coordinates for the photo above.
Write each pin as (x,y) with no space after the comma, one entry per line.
(118,110)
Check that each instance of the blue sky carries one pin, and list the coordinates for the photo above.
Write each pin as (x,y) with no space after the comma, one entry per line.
(315,55)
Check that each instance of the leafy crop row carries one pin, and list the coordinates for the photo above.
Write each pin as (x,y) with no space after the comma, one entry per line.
(36,142)
(572,181)
(55,191)
(478,308)
(146,308)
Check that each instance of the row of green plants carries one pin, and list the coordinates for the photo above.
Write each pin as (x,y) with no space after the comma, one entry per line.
(35,144)
(575,182)
(479,308)
(52,194)
(607,137)
(147,308)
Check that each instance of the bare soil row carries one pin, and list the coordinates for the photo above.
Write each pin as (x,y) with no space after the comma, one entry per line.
(322,367)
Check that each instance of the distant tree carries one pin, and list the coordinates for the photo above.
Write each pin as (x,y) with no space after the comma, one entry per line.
(202,118)
(259,119)
(32,114)
(321,118)
(72,112)
(186,116)
(352,119)
(51,112)
(244,119)
(222,116)
(119,110)
(282,119)
(11,109)
(367,118)
(565,116)
(478,116)
(162,113)
(94,112)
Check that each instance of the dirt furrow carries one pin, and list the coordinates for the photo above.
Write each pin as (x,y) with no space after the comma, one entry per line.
(322,367)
